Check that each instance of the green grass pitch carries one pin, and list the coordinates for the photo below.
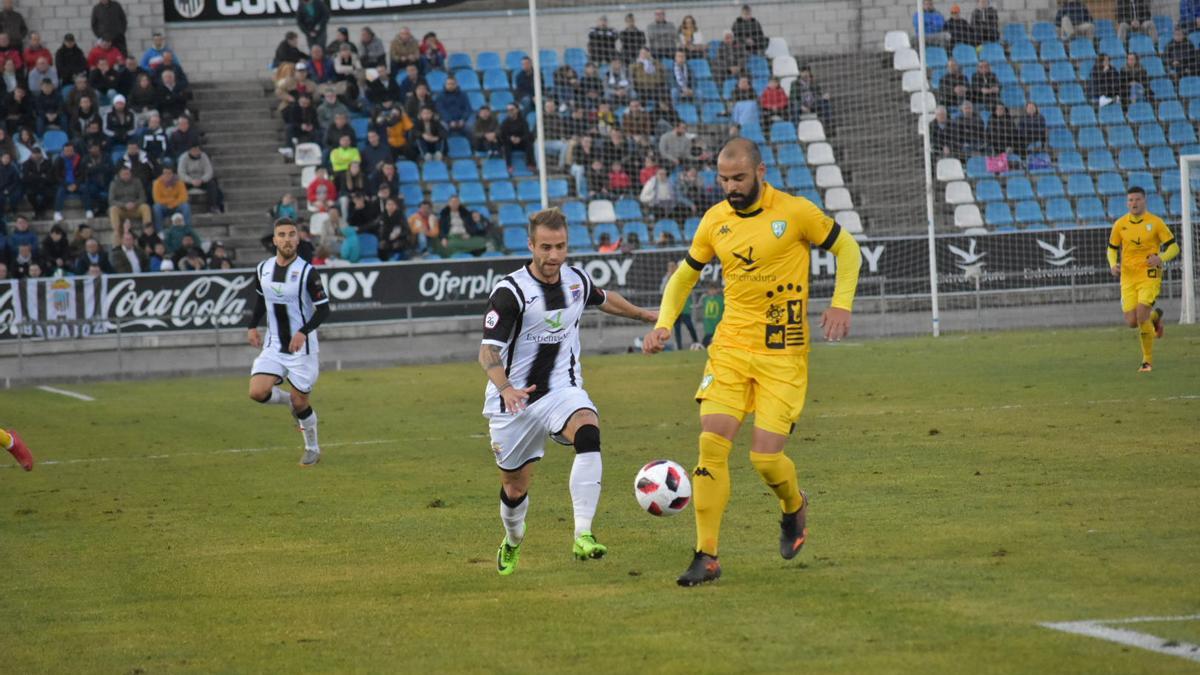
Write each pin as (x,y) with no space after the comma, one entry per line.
(963,490)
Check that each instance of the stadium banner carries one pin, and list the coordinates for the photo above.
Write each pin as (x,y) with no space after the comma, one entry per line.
(188,11)
(189,301)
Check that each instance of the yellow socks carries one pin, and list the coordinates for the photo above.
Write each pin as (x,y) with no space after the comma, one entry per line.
(6,441)
(779,473)
(710,489)
(1146,336)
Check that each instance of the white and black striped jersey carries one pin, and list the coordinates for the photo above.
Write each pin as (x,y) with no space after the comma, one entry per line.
(536,327)
(292,293)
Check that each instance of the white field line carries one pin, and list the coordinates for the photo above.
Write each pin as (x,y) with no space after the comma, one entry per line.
(64,392)
(86,460)
(1098,629)
(1011,406)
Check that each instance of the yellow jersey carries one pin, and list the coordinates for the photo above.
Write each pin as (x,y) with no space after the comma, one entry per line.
(1137,238)
(764,255)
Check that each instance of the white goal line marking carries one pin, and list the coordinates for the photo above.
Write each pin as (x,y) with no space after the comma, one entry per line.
(1102,629)
(64,392)
(1010,406)
(60,462)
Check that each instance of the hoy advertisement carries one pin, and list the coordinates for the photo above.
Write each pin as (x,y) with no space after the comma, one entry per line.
(156,303)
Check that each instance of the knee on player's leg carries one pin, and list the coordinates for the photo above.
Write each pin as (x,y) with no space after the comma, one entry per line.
(587,439)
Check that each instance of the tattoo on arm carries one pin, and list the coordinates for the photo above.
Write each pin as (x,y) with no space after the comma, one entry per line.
(489,357)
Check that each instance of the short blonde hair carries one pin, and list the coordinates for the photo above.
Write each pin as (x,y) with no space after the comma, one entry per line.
(551,219)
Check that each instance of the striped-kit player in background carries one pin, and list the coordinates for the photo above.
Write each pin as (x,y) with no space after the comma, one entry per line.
(531,354)
(292,298)
(758,359)
(17,448)
(1144,244)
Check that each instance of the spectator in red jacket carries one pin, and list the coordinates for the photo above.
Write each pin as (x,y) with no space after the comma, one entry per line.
(773,103)
(35,50)
(104,49)
(10,53)
(433,53)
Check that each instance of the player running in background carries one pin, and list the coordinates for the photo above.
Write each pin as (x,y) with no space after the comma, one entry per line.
(530,353)
(291,288)
(17,448)
(758,360)
(1144,243)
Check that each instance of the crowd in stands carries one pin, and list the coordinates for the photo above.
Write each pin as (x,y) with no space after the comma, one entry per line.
(620,121)
(107,129)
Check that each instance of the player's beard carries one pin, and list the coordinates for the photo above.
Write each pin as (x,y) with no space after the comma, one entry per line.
(742,202)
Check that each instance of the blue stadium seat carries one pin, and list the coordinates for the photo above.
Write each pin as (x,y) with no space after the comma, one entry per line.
(1080,185)
(1059,211)
(435,172)
(476,99)
(757,66)
(774,176)
(1175,206)
(689,228)
(1082,116)
(977,165)
(1062,72)
(1090,209)
(53,141)
(1110,184)
(1070,161)
(1189,87)
(768,155)
(1053,116)
(516,238)
(1052,50)
(1163,25)
(575,211)
(935,57)
(1059,139)
(1082,48)
(529,191)
(1090,138)
(578,237)
(988,190)
(459,147)
(637,227)
(1084,68)
(1029,213)
(1111,114)
(512,215)
(688,113)
(1049,186)
(489,60)
(1121,136)
(1117,207)
(1131,159)
(1004,73)
(1181,133)
(577,58)
(1100,160)
(997,214)
(556,188)
(436,79)
(1141,44)
(468,80)
(1140,113)
(472,194)
(783,132)
(368,244)
(1163,89)
(1171,111)
(1022,52)
(713,113)
(495,169)
(412,194)
(1154,66)
(1043,31)
(359,125)
(1015,32)
(1019,188)
(700,69)
(1142,179)
(1042,95)
(600,229)
(501,191)
(628,209)
(753,132)
(464,170)
(790,154)
(1071,94)
(1155,204)
(1151,134)
(993,53)
(1170,182)
(458,60)
(1162,157)
(799,177)
(965,55)
(668,227)
(441,192)
(548,57)
(706,90)
(1105,28)
(1112,47)
(1012,96)
(499,100)
(1033,73)
(495,79)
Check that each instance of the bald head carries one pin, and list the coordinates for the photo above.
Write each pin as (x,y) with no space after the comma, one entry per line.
(736,149)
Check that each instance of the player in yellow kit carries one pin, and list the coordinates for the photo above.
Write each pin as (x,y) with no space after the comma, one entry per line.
(1144,243)
(10,441)
(758,360)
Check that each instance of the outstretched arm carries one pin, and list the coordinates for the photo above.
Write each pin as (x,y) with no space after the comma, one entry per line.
(679,287)
(617,305)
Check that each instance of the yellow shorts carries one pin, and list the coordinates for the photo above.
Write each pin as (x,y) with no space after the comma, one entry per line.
(1140,292)
(772,386)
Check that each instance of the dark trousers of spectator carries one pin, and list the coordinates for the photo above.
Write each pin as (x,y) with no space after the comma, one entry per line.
(216,198)
(425,148)
(525,146)
(296,135)
(10,201)
(684,319)
(40,198)
(318,40)
(80,192)
(99,195)
(491,149)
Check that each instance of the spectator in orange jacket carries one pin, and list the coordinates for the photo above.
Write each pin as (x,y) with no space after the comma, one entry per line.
(170,197)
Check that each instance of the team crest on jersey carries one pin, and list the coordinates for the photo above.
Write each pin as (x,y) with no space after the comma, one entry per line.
(295,274)
(1148,227)
(706,382)
(778,228)
(576,292)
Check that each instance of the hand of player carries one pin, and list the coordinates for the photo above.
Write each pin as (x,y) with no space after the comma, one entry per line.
(297,342)
(1115,271)
(1154,260)
(650,315)
(254,338)
(836,322)
(655,340)
(515,399)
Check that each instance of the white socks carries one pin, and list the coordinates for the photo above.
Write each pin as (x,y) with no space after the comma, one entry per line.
(585,489)
(278,397)
(513,518)
(308,425)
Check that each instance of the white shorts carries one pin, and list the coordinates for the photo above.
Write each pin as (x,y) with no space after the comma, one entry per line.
(521,438)
(300,370)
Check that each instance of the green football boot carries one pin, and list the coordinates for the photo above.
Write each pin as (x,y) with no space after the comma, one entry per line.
(586,547)
(507,558)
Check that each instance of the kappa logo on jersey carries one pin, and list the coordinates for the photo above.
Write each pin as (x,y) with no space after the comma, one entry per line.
(491,319)
(701,471)
(724,230)
(748,261)
(778,228)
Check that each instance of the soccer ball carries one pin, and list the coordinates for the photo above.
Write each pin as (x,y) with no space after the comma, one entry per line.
(662,488)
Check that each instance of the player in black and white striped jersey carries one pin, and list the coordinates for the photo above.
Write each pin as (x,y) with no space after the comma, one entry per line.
(530,353)
(292,289)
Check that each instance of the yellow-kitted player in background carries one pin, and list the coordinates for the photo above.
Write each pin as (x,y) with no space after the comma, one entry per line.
(10,441)
(758,360)
(1144,243)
